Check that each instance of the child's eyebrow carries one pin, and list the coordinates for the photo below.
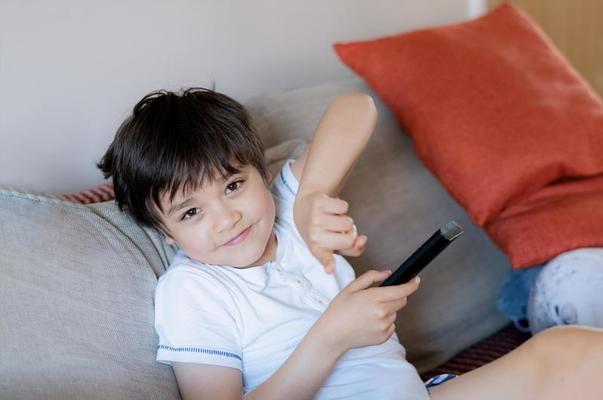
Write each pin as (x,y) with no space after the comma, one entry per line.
(177,207)
(186,202)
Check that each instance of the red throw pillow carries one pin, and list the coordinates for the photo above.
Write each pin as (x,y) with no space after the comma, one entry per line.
(495,112)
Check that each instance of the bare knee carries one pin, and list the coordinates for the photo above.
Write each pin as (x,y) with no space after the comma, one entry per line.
(566,340)
(562,349)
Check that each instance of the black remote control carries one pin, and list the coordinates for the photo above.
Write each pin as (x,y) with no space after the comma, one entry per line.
(424,254)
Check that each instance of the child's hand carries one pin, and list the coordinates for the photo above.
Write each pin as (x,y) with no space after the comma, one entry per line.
(322,223)
(361,315)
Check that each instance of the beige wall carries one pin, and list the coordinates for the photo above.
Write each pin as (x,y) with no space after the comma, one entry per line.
(576,27)
(70,71)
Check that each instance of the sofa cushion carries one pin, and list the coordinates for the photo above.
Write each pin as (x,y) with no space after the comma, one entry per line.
(398,203)
(77,302)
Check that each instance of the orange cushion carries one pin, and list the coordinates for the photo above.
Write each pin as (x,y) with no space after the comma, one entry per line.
(497,114)
(560,217)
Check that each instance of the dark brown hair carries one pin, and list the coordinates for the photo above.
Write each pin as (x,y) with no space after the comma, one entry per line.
(174,142)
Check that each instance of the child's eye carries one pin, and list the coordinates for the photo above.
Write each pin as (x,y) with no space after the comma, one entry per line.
(189,214)
(233,185)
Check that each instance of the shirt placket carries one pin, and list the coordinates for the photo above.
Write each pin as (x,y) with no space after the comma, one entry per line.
(303,285)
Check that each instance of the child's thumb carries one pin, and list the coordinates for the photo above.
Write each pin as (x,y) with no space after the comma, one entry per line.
(329,262)
(325,257)
(368,278)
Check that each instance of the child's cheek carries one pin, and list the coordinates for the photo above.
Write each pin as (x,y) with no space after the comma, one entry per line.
(270,207)
(263,204)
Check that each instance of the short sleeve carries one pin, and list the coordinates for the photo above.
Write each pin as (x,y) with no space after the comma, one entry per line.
(195,319)
(284,190)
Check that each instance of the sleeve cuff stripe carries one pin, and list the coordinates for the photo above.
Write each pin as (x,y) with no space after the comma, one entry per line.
(199,350)
(286,183)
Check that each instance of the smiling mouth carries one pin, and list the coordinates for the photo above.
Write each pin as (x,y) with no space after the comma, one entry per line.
(239,238)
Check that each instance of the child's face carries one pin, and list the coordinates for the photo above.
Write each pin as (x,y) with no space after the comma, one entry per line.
(202,222)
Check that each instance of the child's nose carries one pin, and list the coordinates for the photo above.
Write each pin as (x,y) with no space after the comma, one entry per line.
(226,218)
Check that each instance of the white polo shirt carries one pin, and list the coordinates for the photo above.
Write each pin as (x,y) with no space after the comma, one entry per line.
(253,318)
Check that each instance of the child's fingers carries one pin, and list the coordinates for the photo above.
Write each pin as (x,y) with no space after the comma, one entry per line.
(357,249)
(397,292)
(325,257)
(367,279)
(333,205)
(336,223)
(329,263)
(336,240)
(395,305)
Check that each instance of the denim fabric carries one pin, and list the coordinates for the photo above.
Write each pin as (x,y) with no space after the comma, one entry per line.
(514,293)
(438,380)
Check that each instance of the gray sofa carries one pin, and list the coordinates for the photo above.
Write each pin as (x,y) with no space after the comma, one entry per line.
(77,282)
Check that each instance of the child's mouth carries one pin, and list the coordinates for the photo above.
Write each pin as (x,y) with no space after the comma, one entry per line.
(239,238)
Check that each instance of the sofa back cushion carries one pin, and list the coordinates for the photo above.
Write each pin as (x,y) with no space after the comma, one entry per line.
(77,302)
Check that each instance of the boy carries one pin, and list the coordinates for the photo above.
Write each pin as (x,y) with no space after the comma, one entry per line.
(246,309)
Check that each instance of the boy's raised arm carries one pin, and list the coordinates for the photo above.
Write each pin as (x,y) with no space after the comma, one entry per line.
(342,133)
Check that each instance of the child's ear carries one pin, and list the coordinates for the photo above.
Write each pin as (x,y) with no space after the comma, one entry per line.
(270,177)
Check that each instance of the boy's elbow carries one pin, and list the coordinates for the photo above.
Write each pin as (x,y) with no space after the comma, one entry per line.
(372,109)
(357,97)
(362,102)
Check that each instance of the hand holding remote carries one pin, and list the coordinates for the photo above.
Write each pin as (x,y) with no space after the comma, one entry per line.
(362,315)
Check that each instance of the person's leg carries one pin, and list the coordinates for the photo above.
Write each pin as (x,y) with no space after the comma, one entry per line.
(567,291)
(564,362)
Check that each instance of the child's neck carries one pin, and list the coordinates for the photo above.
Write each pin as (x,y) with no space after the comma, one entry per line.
(269,251)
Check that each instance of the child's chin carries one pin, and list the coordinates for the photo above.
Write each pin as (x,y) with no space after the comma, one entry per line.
(238,261)
(254,260)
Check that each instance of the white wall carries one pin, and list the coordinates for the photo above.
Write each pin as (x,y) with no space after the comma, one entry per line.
(70,71)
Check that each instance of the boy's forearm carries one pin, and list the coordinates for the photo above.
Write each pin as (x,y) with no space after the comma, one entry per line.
(302,375)
(342,134)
